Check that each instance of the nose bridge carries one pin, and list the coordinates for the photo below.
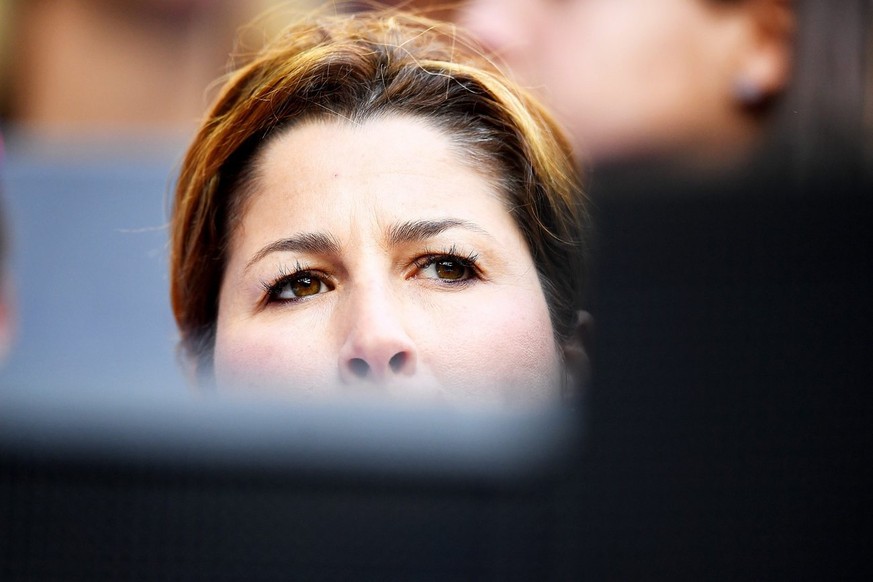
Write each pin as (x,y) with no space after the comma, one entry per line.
(377,345)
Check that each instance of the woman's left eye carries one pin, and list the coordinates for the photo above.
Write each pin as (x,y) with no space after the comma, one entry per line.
(450,269)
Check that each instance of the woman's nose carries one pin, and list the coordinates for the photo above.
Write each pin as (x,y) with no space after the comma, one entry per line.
(377,347)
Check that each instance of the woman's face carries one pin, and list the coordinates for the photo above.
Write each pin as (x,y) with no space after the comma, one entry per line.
(371,258)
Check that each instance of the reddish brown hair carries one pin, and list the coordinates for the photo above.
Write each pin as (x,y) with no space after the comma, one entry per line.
(360,67)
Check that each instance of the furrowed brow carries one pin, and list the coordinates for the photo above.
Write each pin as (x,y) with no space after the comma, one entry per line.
(418,230)
(308,242)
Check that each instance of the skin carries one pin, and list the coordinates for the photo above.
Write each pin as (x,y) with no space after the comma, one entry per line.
(380,312)
(632,77)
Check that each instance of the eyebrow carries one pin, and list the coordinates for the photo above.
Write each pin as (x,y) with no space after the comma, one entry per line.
(398,234)
(308,242)
(418,230)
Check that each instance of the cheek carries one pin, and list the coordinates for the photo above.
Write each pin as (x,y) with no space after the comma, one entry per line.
(502,346)
(267,358)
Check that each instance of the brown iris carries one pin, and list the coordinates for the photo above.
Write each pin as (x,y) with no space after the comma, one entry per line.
(305,286)
(450,270)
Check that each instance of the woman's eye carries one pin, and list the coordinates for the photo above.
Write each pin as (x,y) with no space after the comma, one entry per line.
(297,287)
(447,269)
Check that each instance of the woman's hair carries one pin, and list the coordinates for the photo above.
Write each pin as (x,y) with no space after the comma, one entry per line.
(364,67)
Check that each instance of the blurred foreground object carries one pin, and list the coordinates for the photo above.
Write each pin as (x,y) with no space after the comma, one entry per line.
(726,434)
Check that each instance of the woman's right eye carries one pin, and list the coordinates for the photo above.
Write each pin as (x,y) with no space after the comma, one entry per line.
(297,286)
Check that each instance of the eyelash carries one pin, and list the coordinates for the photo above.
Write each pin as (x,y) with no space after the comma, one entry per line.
(469,261)
(273,288)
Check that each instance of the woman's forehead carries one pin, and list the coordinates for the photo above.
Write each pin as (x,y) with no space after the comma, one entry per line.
(332,175)
(340,146)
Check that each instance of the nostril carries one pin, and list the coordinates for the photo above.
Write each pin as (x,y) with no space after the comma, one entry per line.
(397,361)
(359,367)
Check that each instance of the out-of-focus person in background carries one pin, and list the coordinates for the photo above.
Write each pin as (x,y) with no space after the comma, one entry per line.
(371,206)
(104,67)
(696,81)
(639,78)
(115,66)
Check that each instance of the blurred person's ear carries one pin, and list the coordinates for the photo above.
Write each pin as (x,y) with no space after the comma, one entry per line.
(577,363)
(763,65)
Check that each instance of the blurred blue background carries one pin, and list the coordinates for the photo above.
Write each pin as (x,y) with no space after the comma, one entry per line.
(89,265)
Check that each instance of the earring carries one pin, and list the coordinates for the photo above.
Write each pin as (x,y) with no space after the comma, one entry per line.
(748,92)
